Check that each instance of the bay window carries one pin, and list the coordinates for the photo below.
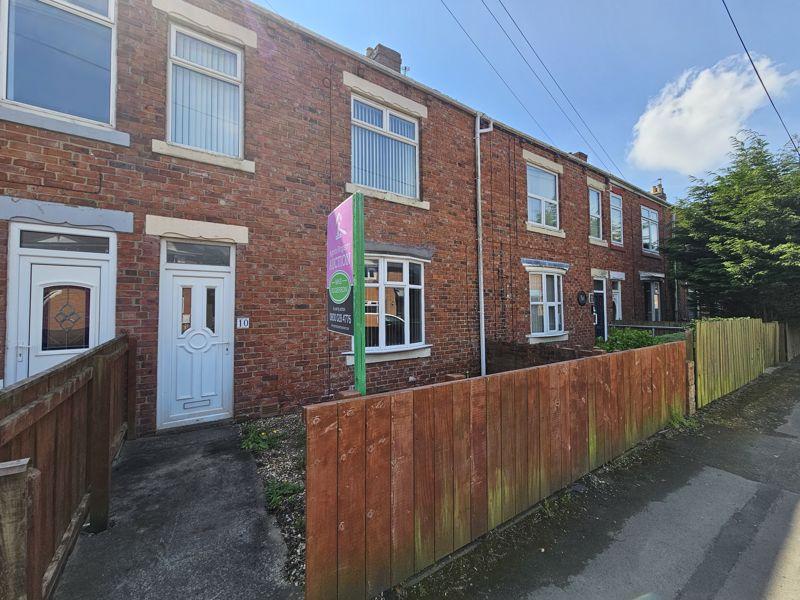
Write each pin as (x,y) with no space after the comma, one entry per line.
(616,219)
(547,305)
(542,197)
(60,57)
(384,149)
(649,229)
(205,93)
(394,303)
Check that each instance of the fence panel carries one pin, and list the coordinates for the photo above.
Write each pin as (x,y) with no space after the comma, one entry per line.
(54,420)
(729,353)
(398,481)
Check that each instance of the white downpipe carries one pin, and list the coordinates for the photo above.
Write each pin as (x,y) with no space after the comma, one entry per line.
(478,132)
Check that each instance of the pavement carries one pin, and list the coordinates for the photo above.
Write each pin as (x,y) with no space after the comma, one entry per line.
(187,521)
(708,512)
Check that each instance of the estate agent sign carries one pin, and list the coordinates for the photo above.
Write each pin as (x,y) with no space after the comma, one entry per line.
(340,268)
(345,278)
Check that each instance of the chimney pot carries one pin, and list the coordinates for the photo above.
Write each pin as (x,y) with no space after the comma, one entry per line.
(581,155)
(658,190)
(388,57)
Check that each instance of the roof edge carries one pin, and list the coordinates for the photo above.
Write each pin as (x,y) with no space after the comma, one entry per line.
(442,96)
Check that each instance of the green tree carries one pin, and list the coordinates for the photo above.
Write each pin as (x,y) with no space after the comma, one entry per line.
(736,238)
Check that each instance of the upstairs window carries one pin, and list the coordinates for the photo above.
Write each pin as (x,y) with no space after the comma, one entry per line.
(547,305)
(616,219)
(205,93)
(595,214)
(649,229)
(384,149)
(394,304)
(542,197)
(60,57)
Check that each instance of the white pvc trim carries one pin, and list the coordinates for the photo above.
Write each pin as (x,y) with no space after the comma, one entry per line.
(391,355)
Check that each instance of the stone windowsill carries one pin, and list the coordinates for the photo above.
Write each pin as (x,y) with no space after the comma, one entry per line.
(598,242)
(352,188)
(379,356)
(167,149)
(543,339)
(536,228)
(651,253)
(34,118)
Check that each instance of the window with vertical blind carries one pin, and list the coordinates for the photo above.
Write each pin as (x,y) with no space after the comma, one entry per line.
(384,149)
(394,303)
(59,57)
(205,93)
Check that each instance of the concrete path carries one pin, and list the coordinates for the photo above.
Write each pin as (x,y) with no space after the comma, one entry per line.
(712,513)
(188,521)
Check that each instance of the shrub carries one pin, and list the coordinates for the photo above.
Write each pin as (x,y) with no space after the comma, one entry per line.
(626,339)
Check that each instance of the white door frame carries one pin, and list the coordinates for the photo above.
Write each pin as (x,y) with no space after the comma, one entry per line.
(19,267)
(164,331)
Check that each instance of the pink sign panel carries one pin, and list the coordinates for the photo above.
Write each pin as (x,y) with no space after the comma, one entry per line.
(339,279)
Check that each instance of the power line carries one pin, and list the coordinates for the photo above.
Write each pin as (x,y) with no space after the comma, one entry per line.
(546,89)
(577,112)
(496,72)
(766,91)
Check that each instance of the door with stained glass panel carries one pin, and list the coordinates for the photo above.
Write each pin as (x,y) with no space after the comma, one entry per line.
(64,313)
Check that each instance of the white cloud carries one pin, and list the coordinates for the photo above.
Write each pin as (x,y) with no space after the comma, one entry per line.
(687,127)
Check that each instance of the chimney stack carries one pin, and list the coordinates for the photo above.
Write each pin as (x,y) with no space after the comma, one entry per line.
(581,155)
(387,57)
(658,190)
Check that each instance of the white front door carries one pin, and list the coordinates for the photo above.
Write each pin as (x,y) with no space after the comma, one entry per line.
(61,296)
(195,361)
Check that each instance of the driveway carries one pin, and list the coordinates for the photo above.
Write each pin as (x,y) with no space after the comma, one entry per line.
(188,521)
(707,512)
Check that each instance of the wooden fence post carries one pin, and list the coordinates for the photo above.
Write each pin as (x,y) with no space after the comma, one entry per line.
(99,444)
(14,516)
(130,392)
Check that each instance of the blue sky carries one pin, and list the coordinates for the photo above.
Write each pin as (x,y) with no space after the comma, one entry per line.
(676,68)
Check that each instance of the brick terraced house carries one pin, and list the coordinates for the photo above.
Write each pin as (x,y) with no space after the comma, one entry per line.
(166,169)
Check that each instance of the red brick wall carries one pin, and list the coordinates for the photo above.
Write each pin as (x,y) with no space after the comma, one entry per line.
(508,241)
(297,130)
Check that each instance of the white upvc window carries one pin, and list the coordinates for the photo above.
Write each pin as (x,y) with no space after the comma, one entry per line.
(394,303)
(384,149)
(542,197)
(616,219)
(205,101)
(547,303)
(649,229)
(595,214)
(616,299)
(60,58)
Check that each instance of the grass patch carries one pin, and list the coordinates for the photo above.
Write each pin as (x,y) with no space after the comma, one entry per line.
(256,439)
(681,422)
(280,493)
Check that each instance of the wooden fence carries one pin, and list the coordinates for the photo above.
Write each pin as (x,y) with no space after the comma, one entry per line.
(59,431)
(397,481)
(729,353)
(791,339)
